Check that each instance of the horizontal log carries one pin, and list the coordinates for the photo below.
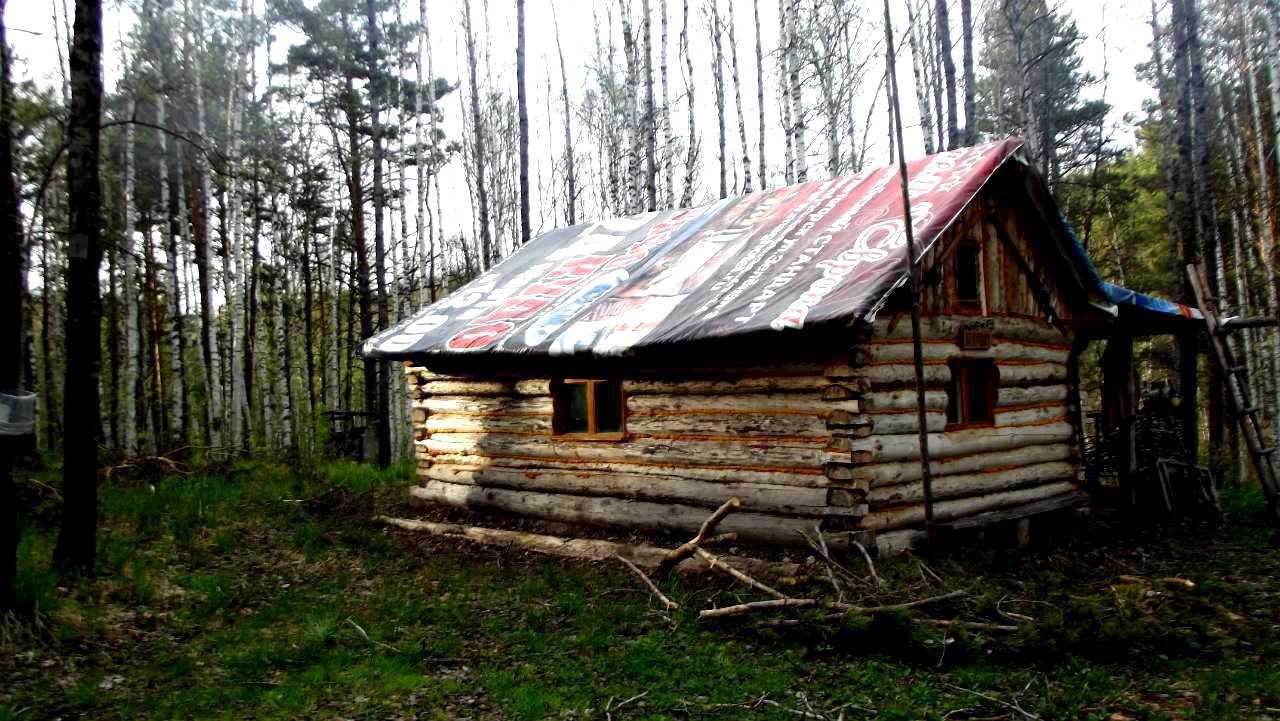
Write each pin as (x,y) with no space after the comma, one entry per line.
(902,374)
(787,500)
(1047,505)
(886,474)
(588,549)
(659,469)
(901,351)
(482,405)
(972,484)
(731,454)
(1031,374)
(1020,396)
(880,401)
(781,384)
(539,387)
(1034,414)
(913,514)
(495,423)
(613,512)
(883,449)
(906,422)
(948,327)
(729,424)
(803,403)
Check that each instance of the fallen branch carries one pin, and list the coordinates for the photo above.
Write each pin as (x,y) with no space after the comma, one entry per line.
(708,526)
(587,549)
(671,605)
(720,565)
(969,625)
(870,566)
(1011,706)
(843,609)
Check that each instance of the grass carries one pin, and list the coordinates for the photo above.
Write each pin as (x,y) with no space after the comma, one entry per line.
(262,591)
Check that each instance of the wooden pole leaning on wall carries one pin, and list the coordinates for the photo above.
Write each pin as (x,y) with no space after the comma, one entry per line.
(913,280)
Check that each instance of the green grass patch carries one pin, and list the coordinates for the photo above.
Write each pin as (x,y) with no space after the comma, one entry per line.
(263,591)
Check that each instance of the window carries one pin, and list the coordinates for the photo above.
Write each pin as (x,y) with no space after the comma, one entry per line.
(968,275)
(971,399)
(588,408)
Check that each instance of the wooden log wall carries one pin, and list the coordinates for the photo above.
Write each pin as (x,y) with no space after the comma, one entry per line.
(777,436)
(1029,455)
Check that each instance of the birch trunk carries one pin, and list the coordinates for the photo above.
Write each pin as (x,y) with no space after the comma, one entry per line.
(650,114)
(717,70)
(747,186)
(128,420)
(203,239)
(784,92)
(522,109)
(477,124)
(177,408)
(763,174)
(691,161)
(948,72)
(921,83)
(570,164)
(970,81)
(797,97)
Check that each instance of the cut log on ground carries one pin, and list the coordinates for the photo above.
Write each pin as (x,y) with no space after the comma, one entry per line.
(585,549)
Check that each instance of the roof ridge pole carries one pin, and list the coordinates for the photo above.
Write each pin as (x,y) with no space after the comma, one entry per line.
(913,278)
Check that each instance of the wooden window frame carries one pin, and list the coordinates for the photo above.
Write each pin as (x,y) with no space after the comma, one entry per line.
(959,393)
(974,305)
(591,434)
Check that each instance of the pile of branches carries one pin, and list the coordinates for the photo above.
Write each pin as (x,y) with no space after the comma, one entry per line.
(873,595)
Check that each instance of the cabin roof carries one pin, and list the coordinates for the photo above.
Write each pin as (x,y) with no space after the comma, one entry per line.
(774,261)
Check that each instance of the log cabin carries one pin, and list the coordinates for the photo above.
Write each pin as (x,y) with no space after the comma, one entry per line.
(636,373)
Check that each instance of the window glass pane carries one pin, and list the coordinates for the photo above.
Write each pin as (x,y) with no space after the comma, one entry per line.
(573,408)
(982,392)
(967,276)
(608,406)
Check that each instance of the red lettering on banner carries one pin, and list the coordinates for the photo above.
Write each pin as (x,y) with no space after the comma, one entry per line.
(479,336)
(516,308)
(498,323)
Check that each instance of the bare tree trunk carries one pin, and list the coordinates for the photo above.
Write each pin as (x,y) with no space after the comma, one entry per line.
(970,81)
(12,316)
(76,549)
(921,83)
(177,397)
(650,113)
(477,123)
(718,76)
(797,97)
(203,244)
(376,100)
(522,104)
(762,174)
(737,100)
(570,165)
(691,161)
(949,73)
(668,152)
(1184,29)
(784,92)
(1267,246)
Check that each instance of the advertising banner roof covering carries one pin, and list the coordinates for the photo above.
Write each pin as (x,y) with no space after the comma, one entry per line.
(778,259)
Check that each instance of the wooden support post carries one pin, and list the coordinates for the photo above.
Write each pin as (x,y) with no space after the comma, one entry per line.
(913,284)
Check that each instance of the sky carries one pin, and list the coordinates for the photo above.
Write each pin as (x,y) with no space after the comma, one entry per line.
(1118,36)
